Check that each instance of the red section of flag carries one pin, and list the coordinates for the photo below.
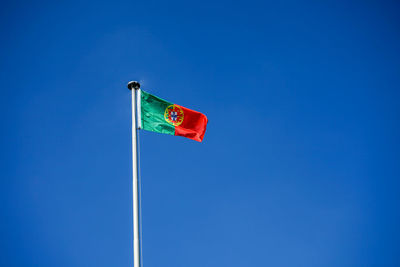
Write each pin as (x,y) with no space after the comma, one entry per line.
(193,126)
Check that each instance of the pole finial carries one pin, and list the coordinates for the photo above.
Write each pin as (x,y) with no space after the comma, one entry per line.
(133,85)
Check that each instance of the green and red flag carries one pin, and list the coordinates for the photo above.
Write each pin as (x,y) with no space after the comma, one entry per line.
(161,116)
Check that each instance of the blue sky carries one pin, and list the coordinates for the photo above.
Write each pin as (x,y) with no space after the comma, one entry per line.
(299,165)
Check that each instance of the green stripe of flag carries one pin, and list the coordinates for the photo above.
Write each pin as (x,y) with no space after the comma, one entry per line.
(153,108)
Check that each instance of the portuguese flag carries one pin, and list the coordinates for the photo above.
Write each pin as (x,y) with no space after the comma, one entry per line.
(161,116)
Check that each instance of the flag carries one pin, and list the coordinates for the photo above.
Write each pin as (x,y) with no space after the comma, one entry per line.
(161,116)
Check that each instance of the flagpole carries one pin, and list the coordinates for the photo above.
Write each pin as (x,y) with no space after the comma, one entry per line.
(134,87)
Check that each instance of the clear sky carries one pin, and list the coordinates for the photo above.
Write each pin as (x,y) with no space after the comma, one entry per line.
(299,165)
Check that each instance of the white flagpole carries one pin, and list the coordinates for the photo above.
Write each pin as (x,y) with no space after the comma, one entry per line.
(134,87)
